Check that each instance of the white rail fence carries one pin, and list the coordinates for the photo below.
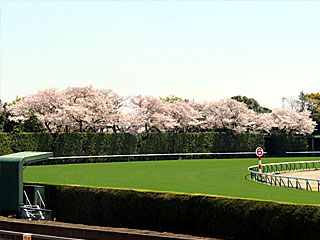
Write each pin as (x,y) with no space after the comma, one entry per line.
(275,174)
(138,157)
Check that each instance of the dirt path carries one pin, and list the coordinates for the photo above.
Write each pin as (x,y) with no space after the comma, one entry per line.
(313,174)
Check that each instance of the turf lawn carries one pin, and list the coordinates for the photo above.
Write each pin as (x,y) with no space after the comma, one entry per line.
(223,177)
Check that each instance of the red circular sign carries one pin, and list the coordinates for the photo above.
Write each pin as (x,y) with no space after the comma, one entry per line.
(259,151)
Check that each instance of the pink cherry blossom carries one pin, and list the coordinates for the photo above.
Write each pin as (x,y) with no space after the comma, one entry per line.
(90,109)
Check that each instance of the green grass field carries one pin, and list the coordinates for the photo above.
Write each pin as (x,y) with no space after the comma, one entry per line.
(223,177)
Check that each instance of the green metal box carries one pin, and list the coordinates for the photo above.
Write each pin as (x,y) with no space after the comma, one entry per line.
(11,177)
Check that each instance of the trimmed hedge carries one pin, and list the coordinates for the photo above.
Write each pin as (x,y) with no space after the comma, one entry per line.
(41,142)
(114,144)
(72,144)
(5,144)
(190,214)
(237,142)
(69,144)
(279,143)
(175,142)
(199,142)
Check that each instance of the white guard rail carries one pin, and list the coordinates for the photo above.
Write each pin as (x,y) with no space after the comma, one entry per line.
(139,157)
(274,174)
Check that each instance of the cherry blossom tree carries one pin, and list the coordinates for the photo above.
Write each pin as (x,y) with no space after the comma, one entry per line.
(183,113)
(149,113)
(292,122)
(119,116)
(2,106)
(229,114)
(3,116)
(263,123)
(76,109)
(91,109)
(46,105)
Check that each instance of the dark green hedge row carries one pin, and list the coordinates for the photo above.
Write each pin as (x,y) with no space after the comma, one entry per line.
(5,144)
(316,144)
(70,144)
(124,143)
(279,143)
(19,142)
(199,142)
(40,142)
(190,214)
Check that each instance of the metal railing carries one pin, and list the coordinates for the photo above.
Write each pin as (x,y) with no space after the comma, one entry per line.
(303,154)
(274,174)
(137,157)
(41,200)
(34,212)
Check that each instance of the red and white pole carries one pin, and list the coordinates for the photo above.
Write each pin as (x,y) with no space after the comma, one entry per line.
(260,166)
(259,152)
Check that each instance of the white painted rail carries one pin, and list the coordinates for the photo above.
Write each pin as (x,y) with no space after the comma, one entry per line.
(275,174)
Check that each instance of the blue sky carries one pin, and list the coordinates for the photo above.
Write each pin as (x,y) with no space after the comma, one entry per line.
(202,50)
